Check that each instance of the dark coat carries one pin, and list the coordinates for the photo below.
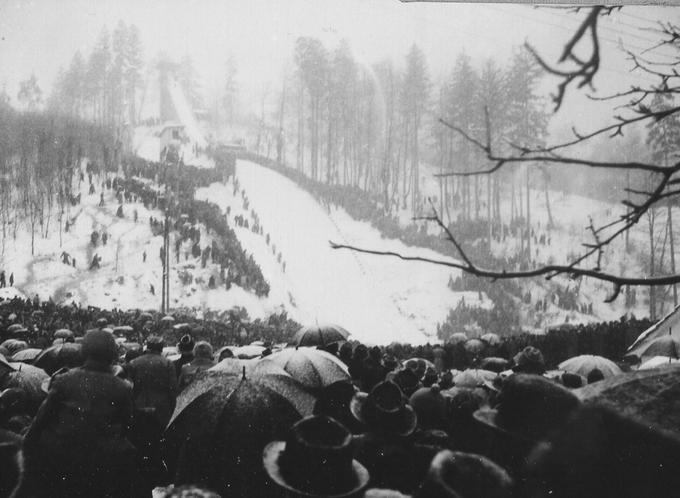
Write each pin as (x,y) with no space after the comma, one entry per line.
(155,385)
(77,445)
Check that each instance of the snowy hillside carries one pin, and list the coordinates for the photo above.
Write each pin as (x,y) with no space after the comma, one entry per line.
(378,299)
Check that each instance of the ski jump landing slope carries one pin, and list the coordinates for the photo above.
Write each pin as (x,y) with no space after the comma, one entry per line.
(378,299)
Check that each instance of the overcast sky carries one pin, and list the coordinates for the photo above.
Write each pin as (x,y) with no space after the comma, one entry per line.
(39,36)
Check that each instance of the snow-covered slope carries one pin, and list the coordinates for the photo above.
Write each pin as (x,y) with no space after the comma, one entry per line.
(378,299)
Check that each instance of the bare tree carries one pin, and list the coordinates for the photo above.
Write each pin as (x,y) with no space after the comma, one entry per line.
(578,71)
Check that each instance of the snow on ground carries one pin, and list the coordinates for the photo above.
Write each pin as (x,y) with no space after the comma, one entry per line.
(185,114)
(379,299)
(124,279)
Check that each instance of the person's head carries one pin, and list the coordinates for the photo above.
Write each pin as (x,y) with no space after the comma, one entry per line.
(155,344)
(334,400)
(360,352)
(375,354)
(99,346)
(315,460)
(430,377)
(185,345)
(384,410)
(430,408)
(465,475)
(529,361)
(595,375)
(203,350)
(407,381)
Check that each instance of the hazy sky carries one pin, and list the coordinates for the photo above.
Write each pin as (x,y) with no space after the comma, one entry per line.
(41,35)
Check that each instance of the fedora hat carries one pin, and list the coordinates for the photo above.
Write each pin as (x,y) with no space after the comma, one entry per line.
(455,474)
(384,410)
(529,407)
(529,360)
(99,345)
(315,460)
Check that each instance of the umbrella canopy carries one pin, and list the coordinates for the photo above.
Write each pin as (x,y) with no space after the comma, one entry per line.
(26,355)
(473,377)
(650,396)
(68,354)
(457,338)
(475,346)
(63,334)
(181,326)
(101,322)
(320,335)
(28,378)
(145,316)
(223,421)
(167,319)
(491,339)
(658,361)
(586,363)
(15,327)
(313,368)
(666,345)
(248,352)
(13,346)
(122,329)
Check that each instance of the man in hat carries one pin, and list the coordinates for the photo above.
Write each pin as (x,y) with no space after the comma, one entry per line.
(455,474)
(529,407)
(77,445)
(203,360)
(387,447)
(155,381)
(315,460)
(529,361)
(185,346)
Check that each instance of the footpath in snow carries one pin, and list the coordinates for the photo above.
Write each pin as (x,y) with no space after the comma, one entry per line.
(378,299)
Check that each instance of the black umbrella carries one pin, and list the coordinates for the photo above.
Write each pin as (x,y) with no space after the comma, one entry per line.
(219,428)
(68,354)
(320,335)
(30,379)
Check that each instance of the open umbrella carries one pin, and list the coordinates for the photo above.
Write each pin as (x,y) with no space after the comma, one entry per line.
(586,363)
(650,396)
(313,368)
(122,329)
(491,339)
(474,346)
(27,355)
(223,421)
(63,334)
(666,345)
(473,377)
(143,317)
(658,361)
(248,352)
(13,346)
(102,322)
(28,378)
(14,328)
(68,354)
(457,338)
(181,326)
(167,319)
(320,335)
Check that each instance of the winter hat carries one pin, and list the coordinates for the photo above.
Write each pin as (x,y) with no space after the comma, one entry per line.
(204,350)
(430,408)
(100,346)
(407,381)
(185,344)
